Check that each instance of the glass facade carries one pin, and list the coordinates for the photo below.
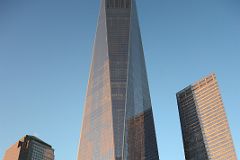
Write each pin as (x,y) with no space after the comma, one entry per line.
(118,121)
(206,134)
(30,148)
(39,151)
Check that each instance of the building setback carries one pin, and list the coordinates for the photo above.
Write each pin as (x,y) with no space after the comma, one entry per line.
(30,148)
(205,129)
(118,120)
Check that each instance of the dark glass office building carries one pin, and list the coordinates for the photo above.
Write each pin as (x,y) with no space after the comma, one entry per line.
(30,148)
(118,120)
(205,130)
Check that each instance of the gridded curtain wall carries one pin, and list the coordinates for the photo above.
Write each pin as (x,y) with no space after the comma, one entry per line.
(118,121)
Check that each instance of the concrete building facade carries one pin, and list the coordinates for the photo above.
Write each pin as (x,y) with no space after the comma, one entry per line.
(205,130)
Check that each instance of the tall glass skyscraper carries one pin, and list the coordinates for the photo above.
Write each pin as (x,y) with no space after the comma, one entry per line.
(206,134)
(118,120)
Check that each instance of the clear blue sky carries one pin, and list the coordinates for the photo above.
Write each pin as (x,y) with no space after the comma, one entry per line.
(46,50)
